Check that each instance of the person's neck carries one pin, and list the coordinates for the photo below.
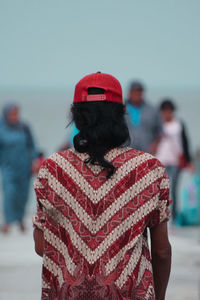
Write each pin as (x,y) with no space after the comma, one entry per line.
(169,120)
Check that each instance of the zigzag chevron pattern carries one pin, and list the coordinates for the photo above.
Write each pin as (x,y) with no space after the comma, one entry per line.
(95,229)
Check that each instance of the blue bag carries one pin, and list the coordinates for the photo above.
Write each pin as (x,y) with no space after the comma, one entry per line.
(189,213)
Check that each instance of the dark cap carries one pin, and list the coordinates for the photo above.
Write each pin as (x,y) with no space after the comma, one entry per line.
(136,85)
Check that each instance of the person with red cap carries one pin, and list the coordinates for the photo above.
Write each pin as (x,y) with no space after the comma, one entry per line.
(95,203)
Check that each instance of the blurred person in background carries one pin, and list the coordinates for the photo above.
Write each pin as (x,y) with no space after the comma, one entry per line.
(143,120)
(173,149)
(95,203)
(17,152)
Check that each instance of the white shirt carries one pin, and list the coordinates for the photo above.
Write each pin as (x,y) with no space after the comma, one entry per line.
(170,146)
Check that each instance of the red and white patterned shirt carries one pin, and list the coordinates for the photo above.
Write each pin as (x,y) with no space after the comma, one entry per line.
(95,229)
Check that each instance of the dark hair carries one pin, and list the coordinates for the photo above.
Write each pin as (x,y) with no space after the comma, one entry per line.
(167,104)
(101,127)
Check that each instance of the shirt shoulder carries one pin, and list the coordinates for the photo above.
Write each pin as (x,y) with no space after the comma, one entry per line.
(64,153)
(150,108)
(144,161)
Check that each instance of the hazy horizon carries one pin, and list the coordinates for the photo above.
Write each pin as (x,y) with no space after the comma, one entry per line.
(48,44)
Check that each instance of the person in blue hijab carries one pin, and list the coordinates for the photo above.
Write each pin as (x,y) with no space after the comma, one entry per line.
(17,152)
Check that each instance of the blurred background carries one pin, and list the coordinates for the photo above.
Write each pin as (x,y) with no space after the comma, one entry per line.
(46,47)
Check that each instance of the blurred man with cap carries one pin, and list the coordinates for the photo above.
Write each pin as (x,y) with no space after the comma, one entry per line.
(143,120)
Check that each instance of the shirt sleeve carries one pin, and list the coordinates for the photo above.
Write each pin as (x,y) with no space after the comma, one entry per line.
(41,188)
(162,212)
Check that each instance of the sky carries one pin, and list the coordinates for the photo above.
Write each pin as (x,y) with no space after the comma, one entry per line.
(52,44)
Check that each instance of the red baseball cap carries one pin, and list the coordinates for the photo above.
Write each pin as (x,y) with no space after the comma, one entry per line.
(112,87)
